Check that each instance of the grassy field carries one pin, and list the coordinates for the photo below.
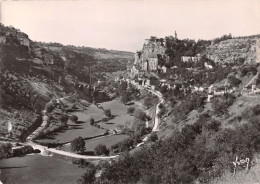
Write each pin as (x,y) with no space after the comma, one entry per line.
(92,143)
(82,128)
(118,110)
(32,169)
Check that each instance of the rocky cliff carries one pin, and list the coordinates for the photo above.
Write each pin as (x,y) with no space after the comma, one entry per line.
(232,50)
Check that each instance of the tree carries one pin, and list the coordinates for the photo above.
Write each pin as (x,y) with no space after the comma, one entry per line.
(63,119)
(89,176)
(130,110)
(74,118)
(92,121)
(233,81)
(163,89)
(139,114)
(220,104)
(5,150)
(125,98)
(153,38)
(101,149)
(78,145)
(153,137)
(49,107)
(107,112)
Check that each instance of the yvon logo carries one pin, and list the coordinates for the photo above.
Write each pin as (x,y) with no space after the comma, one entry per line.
(244,163)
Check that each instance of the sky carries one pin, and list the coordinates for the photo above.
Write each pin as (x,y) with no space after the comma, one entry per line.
(124,24)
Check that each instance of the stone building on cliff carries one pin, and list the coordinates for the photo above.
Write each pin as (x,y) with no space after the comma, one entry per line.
(148,58)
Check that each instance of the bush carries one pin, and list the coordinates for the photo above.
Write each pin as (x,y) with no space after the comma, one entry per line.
(23,150)
(74,118)
(233,81)
(213,125)
(49,107)
(92,121)
(220,104)
(81,162)
(107,112)
(78,145)
(125,98)
(101,149)
(150,101)
(163,89)
(153,137)
(5,150)
(64,118)
(89,176)
(139,114)
(130,110)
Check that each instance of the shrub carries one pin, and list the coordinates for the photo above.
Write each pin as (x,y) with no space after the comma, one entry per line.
(64,118)
(125,98)
(107,112)
(49,107)
(101,149)
(78,145)
(130,110)
(5,150)
(220,104)
(92,121)
(233,81)
(23,150)
(139,114)
(153,137)
(81,162)
(150,101)
(163,89)
(88,177)
(213,125)
(74,118)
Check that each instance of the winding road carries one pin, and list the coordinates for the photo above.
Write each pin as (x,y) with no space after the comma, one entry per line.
(45,151)
(156,119)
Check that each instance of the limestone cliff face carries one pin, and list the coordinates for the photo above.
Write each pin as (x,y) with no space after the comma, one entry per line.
(233,49)
(147,58)
(10,35)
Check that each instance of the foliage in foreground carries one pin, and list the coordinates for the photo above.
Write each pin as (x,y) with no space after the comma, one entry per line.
(199,152)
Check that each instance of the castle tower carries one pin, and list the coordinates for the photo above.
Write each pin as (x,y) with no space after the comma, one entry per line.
(175,35)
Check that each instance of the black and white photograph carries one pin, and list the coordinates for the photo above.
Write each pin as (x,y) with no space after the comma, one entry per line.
(129,91)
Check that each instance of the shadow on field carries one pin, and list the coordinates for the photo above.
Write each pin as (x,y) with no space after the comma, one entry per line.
(13,167)
(80,122)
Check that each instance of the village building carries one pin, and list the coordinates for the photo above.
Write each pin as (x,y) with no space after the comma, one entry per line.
(191,58)
(208,66)
(148,58)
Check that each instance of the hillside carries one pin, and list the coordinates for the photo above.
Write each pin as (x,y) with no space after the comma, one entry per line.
(234,50)
(32,73)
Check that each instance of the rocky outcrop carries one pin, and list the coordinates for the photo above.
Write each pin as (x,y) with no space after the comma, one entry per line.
(148,58)
(233,50)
